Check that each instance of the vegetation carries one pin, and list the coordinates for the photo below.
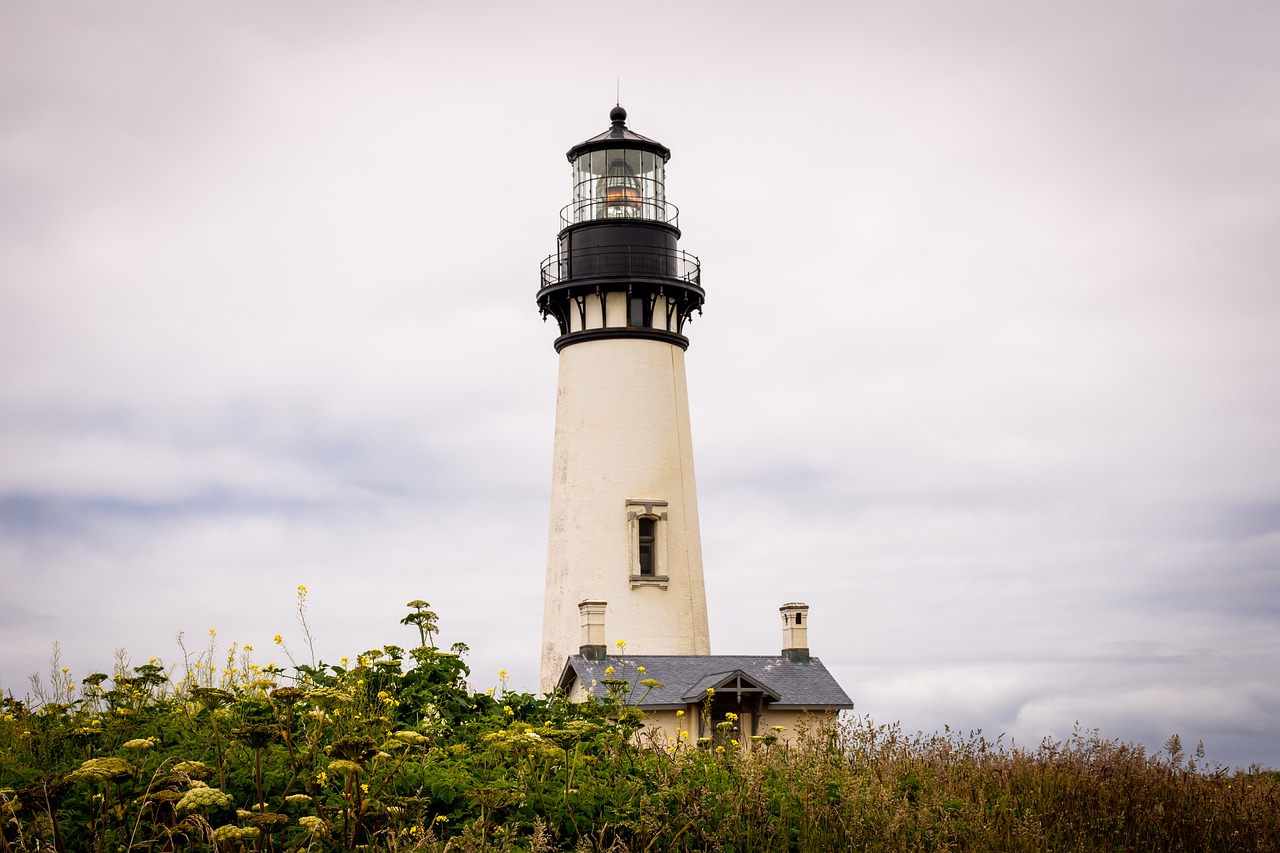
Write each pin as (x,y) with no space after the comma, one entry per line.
(396,753)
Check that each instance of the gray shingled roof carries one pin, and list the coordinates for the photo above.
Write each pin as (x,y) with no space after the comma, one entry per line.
(685,678)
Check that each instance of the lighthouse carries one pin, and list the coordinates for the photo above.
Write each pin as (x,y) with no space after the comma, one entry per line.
(623,540)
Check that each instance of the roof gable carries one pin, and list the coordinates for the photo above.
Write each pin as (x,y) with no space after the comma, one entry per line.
(720,682)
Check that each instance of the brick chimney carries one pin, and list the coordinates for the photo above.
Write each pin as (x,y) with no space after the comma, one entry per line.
(795,631)
(591,613)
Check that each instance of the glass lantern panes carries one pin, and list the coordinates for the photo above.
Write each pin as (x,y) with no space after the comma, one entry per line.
(618,183)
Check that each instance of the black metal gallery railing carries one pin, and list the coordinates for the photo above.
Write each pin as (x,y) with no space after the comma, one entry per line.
(596,209)
(620,262)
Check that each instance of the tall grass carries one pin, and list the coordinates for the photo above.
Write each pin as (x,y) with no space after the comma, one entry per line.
(396,753)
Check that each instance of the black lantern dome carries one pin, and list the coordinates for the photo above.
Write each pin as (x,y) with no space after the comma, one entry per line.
(617,272)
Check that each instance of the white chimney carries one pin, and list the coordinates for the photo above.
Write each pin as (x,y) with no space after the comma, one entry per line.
(591,613)
(795,631)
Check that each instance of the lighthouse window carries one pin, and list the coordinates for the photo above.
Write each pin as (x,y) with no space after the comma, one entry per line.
(646,520)
(640,311)
(647,538)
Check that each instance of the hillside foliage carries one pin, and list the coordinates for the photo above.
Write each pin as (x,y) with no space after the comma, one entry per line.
(396,753)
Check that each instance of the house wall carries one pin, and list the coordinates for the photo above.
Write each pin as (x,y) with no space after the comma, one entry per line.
(795,723)
(664,729)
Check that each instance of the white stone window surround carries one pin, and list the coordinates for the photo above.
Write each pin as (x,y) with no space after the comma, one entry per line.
(655,511)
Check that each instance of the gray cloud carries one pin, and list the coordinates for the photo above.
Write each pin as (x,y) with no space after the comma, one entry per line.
(987,372)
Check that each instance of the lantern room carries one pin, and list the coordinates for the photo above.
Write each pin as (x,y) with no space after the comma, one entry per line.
(618,183)
(618,175)
(617,271)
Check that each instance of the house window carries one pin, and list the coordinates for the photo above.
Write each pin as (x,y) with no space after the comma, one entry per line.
(647,531)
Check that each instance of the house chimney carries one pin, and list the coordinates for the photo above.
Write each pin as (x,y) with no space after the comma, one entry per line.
(591,612)
(795,631)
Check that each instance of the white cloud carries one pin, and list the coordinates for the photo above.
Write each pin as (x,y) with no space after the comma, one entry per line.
(986,374)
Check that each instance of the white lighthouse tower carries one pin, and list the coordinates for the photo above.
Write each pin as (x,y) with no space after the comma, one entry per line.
(624,510)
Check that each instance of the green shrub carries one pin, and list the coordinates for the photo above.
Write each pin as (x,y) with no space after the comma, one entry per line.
(396,753)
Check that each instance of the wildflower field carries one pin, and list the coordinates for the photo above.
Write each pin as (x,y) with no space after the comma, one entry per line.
(394,752)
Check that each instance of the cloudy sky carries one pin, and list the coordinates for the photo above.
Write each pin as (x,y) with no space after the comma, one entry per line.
(988,372)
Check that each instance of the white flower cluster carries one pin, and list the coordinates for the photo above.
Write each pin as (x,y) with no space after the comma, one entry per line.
(194,769)
(101,770)
(410,737)
(201,798)
(232,833)
(315,827)
(328,698)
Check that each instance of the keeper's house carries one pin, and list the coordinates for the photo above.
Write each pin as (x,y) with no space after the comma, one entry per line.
(688,697)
